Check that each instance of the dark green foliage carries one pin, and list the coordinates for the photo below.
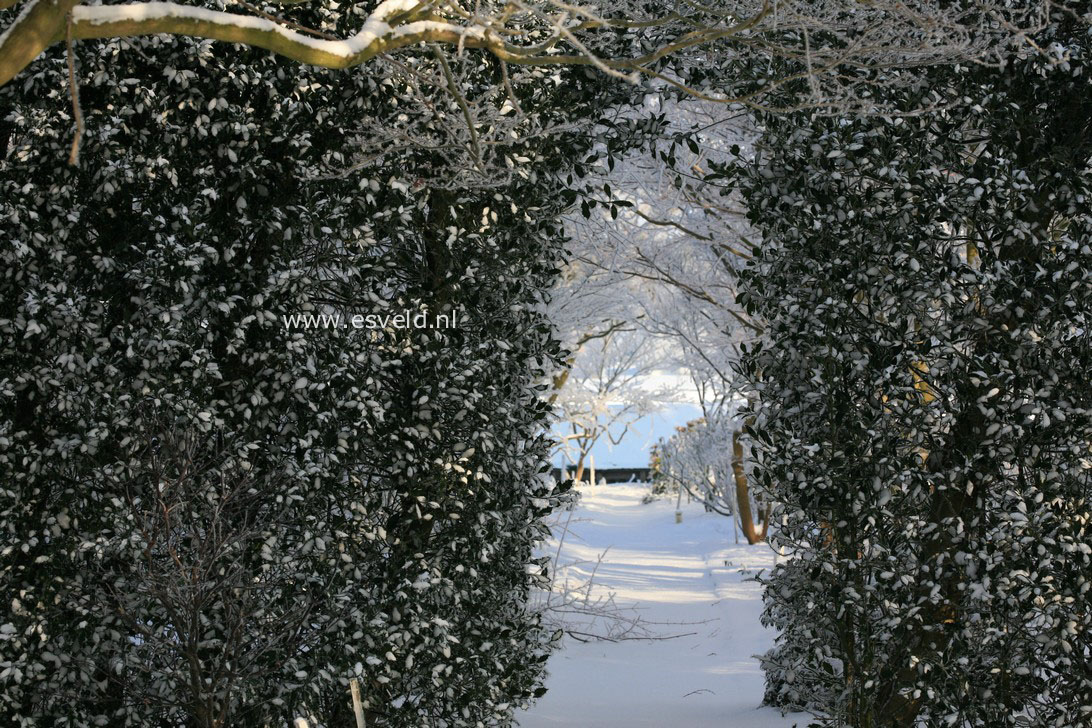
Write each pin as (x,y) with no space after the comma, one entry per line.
(211,515)
(926,412)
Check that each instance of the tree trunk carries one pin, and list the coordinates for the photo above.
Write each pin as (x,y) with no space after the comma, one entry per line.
(579,476)
(753,533)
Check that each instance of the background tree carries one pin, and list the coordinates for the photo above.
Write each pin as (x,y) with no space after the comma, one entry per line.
(663,241)
(668,239)
(706,458)
(610,387)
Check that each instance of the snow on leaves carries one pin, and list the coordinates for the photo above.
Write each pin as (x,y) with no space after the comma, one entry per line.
(924,414)
(209,517)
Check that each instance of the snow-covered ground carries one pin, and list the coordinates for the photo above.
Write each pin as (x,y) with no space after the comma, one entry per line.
(687,578)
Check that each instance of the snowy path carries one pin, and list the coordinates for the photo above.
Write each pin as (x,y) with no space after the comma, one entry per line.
(674,574)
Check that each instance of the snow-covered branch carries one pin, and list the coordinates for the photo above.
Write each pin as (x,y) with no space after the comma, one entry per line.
(824,44)
(392,25)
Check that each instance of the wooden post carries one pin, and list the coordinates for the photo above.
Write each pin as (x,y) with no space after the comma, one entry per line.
(358,706)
